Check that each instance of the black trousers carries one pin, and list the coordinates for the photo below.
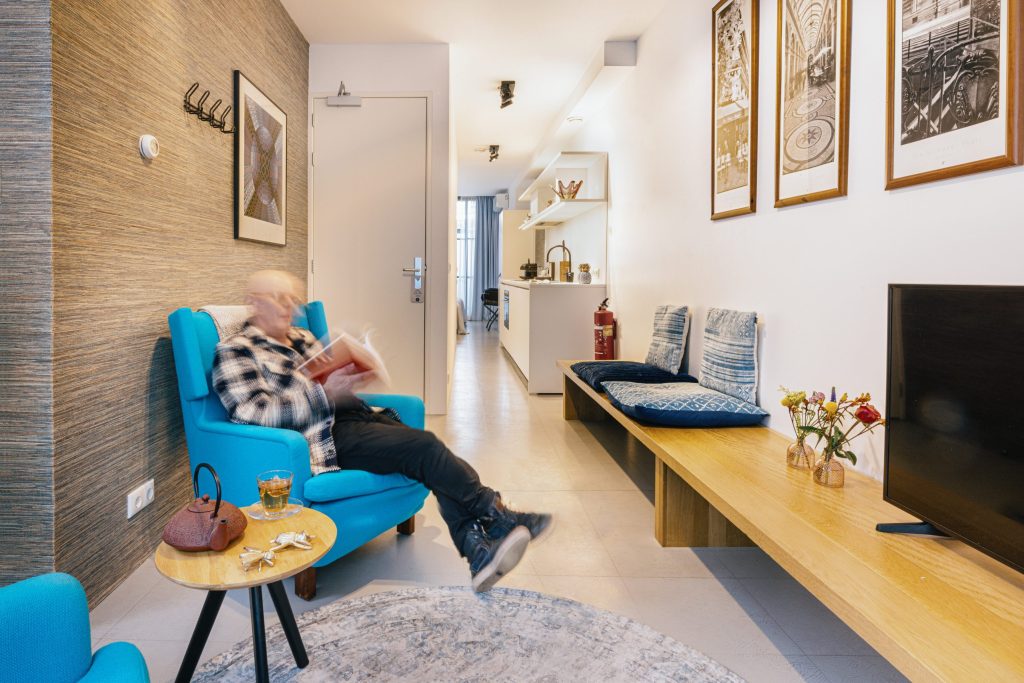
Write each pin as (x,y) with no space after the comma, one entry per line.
(373,442)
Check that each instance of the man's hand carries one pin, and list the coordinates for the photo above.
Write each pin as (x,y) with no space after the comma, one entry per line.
(344,381)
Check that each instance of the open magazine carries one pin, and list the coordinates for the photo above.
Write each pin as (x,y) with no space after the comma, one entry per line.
(345,349)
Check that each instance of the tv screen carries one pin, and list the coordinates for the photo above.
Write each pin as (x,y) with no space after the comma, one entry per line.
(954,439)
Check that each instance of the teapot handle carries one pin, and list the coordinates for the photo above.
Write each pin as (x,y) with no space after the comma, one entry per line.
(216,480)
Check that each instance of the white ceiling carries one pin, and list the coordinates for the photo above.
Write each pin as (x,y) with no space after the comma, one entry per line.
(543,45)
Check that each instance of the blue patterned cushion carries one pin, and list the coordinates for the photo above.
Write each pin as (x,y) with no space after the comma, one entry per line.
(729,364)
(597,372)
(682,405)
(671,323)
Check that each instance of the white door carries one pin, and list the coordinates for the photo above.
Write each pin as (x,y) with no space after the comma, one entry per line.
(369,226)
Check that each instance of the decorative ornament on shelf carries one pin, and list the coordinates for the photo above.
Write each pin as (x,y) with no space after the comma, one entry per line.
(585,276)
(567,191)
(830,425)
(803,410)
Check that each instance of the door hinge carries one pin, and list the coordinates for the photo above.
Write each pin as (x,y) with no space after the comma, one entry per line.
(312,268)
(312,159)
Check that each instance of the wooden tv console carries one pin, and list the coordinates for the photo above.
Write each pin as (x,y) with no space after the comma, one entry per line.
(937,609)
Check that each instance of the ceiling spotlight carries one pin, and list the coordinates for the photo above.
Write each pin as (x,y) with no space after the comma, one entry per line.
(492,153)
(507,90)
(575,119)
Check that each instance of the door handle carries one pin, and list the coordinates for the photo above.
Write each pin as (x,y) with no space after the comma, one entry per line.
(417,270)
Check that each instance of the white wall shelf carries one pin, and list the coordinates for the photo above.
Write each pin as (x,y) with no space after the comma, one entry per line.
(560,212)
(591,167)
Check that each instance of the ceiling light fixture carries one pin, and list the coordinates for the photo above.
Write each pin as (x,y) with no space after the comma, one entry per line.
(493,153)
(507,90)
(575,119)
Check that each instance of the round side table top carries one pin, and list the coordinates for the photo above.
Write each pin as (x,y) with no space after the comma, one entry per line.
(220,571)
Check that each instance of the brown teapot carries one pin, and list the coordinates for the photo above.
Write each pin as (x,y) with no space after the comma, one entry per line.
(202,525)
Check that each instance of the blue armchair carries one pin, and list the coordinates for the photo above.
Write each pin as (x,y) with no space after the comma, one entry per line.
(44,636)
(361,504)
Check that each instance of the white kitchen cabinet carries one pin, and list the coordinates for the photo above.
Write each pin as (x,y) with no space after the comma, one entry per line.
(544,322)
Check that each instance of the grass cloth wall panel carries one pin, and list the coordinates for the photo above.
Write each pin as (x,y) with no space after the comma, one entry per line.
(134,240)
(26,439)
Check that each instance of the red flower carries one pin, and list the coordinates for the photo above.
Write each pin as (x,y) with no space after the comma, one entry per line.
(867,414)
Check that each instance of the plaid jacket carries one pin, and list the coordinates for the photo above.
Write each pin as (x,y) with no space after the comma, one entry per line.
(256,380)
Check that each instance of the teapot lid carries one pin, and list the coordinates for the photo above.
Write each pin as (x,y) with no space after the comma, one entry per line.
(202,504)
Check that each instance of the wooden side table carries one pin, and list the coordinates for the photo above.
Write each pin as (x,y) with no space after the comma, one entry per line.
(219,572)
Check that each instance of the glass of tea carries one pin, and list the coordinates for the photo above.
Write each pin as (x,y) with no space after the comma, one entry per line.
(274,485)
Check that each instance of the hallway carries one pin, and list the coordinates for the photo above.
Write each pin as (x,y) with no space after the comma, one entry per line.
(734,604)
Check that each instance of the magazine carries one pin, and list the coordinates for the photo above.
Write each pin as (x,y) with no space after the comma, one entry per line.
(345,349)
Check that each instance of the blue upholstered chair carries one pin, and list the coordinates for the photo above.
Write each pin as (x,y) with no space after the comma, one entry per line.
(44,636)
(361,504)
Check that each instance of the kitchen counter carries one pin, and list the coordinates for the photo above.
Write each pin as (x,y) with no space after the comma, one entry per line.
(542,322)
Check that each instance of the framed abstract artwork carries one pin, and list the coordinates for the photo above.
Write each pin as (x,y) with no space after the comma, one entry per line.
(812,100)
(261,144)
(953,102)
(734,27)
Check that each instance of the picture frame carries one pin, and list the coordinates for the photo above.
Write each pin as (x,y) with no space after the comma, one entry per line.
(260,168)
(735,26)
(812,110)
(961,112)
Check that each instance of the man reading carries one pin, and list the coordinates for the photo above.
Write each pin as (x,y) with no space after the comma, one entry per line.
(256,376)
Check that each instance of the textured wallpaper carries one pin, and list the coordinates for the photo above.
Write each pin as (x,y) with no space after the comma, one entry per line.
(133,240)
(26,440)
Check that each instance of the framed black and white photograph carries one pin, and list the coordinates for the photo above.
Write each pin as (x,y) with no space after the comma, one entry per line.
(953,87)
(812,100)
(261,144)
(734,26)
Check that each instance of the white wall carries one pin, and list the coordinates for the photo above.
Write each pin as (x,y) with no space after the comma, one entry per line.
(410,68)
(816,274)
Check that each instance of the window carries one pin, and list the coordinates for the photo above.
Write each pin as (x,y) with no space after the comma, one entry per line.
(465,247)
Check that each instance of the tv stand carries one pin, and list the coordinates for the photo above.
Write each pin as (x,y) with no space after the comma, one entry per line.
(911,528)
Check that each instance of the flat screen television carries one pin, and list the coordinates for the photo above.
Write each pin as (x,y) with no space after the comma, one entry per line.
(954,438)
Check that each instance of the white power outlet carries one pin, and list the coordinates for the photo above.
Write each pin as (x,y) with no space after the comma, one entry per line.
(140,498)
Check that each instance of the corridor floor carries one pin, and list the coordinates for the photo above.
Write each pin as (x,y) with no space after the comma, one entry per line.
(734,604)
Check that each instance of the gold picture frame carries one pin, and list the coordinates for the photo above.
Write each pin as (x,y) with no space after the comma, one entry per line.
(975,76)
(734,31)
(812,106)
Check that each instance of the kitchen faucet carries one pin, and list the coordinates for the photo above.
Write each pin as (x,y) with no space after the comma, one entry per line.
(567,253)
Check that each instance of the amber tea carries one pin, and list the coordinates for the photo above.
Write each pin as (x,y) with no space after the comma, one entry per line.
(274,488)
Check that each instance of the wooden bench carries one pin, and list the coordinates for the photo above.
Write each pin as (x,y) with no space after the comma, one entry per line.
(936,609)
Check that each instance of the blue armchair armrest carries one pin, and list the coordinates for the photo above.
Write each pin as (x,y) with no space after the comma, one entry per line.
(117,663)
(409,408)
(239,452)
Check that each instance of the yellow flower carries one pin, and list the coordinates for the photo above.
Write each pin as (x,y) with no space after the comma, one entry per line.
(830,407)
(842,398)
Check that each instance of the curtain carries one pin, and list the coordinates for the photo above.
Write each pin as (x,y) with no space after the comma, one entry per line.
(484,254)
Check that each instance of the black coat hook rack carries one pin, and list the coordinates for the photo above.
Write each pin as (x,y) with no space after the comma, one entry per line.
(199,110)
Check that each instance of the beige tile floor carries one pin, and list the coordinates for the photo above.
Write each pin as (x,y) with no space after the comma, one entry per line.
(734,604)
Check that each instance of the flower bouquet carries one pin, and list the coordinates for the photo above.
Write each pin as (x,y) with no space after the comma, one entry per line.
(803,412)
(837,423)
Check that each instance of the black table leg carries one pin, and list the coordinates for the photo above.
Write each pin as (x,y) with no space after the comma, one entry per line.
(291,631)
(199,635)
(259,635)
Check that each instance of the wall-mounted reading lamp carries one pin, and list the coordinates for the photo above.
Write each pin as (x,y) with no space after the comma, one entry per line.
(344,98)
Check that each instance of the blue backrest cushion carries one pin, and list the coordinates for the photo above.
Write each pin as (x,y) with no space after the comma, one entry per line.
(682,404)
(597,372)
(729,364)
(668,341)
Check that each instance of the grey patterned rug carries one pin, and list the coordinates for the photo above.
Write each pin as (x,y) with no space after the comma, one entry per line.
(453,634)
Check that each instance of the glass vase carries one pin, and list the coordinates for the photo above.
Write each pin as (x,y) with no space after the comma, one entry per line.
(829,472)
(800,455)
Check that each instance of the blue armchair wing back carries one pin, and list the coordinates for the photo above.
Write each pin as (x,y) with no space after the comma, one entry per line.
(45,636)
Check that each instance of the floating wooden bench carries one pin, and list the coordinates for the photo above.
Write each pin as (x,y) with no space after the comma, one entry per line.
(936,609)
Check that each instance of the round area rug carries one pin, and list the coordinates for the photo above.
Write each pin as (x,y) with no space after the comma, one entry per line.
(453,634)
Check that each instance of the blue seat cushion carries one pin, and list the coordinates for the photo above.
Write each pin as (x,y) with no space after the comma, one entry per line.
(330,486)
(729,363)
(596,373)
(682,404)
(668,341)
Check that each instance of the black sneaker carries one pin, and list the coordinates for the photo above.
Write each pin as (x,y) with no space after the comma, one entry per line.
(500,520)
(491,559)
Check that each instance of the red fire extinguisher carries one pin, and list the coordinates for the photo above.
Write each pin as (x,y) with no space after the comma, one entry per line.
(604,333)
